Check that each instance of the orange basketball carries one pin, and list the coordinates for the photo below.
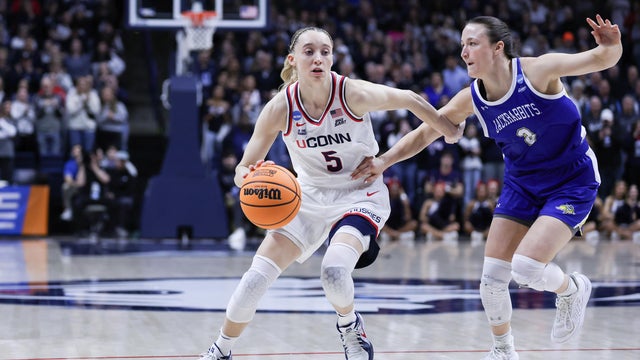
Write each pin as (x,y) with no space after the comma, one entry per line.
(270,196)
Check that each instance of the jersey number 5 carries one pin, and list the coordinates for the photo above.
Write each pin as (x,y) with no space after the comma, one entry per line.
(334,163)
(528,135)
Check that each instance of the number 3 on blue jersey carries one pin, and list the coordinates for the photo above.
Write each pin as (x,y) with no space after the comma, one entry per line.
(528,135)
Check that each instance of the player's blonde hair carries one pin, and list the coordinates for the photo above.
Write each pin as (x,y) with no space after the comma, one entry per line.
(288,73)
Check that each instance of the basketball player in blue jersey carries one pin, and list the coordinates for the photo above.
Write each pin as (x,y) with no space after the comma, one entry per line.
(551,177)
(324,121)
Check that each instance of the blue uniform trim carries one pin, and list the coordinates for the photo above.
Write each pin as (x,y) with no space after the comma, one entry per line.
(366,229)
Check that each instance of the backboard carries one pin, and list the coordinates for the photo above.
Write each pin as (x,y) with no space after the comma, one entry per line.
(167,14)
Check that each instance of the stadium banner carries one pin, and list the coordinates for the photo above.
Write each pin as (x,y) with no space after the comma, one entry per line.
(24,210)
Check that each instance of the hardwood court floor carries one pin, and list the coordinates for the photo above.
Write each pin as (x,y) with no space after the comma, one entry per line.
(65,299)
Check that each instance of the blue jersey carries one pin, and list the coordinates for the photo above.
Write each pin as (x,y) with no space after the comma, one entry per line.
(535,131)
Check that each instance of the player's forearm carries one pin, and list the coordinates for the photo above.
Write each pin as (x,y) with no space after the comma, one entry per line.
(410,145)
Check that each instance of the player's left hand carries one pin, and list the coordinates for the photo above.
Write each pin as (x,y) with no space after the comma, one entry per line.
(604,32)
(369,169)
(458,135)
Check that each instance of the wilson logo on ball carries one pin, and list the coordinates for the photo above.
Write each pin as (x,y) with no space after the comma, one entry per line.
(266,193)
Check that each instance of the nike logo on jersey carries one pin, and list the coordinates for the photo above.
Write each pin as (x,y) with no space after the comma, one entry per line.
(300,124)
(372,193)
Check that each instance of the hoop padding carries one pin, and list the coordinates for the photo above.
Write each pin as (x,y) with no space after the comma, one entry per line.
(199,30)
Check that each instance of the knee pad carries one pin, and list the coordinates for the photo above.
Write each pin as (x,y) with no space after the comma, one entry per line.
(337,265)
(536,275)
(253,285)
(494,290)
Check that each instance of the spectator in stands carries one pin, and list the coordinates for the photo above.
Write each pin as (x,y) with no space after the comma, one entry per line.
(112,121)
(593,224)
(578,95)
(204,69)
(24,115)
(238,137)
(82,107)
(104,54)
(74,178)
(471,163)
(631,144)
(607,146)
(401,225)
(60,76)
(216,124)
(454,76)
(250,100)
(438,219)
(49,109)
(591,118)
(78,61)
(437,90)
(478,214)
(94,191)
(612,202)
(7,134)
(627,215)
(628,115)
(238,221)
(449,174)
(120,190)
(266,75)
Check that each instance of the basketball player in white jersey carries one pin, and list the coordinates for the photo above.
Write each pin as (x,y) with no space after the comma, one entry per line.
(551,175)
(323,118)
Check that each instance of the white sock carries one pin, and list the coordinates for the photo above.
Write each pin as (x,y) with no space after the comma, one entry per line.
(572,288)
(223,344)
(346,319)
(505,338)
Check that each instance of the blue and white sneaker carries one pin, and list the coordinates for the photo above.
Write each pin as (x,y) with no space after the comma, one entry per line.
(354,341)
(214,353)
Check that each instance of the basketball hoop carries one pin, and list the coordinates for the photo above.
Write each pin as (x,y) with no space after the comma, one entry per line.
(199,29)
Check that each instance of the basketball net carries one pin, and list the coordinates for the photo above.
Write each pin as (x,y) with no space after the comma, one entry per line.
(197,34)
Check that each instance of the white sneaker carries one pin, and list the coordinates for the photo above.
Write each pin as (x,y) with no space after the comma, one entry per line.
(636,237)
(614,236)
(238,239)
(477,238)
(214,354)
(592,237)
(450,238)
(502,352)
(407,238)
(354,341)
(570,310)
(66,215)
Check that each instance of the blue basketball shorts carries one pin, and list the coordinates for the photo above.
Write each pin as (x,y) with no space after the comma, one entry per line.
(566,193)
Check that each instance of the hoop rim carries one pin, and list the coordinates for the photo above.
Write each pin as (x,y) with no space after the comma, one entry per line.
(200,17)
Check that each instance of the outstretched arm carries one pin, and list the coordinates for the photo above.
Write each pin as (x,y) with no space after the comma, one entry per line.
(546,69)
(364,96)
(456,111)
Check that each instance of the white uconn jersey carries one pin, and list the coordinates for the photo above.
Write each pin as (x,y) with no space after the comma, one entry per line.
(325,151)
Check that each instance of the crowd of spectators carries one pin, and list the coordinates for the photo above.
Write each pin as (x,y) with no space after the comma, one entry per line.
(61,63)
(451,189)
(60,69)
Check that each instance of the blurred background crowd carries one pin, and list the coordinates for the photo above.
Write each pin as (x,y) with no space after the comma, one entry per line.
(71,113)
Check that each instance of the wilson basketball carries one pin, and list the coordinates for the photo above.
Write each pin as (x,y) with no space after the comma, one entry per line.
(270,196)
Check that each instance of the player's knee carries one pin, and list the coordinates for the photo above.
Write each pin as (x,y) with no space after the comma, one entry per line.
(338,285)
(494,291)
(253,285)
(335,274)
(536,275)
